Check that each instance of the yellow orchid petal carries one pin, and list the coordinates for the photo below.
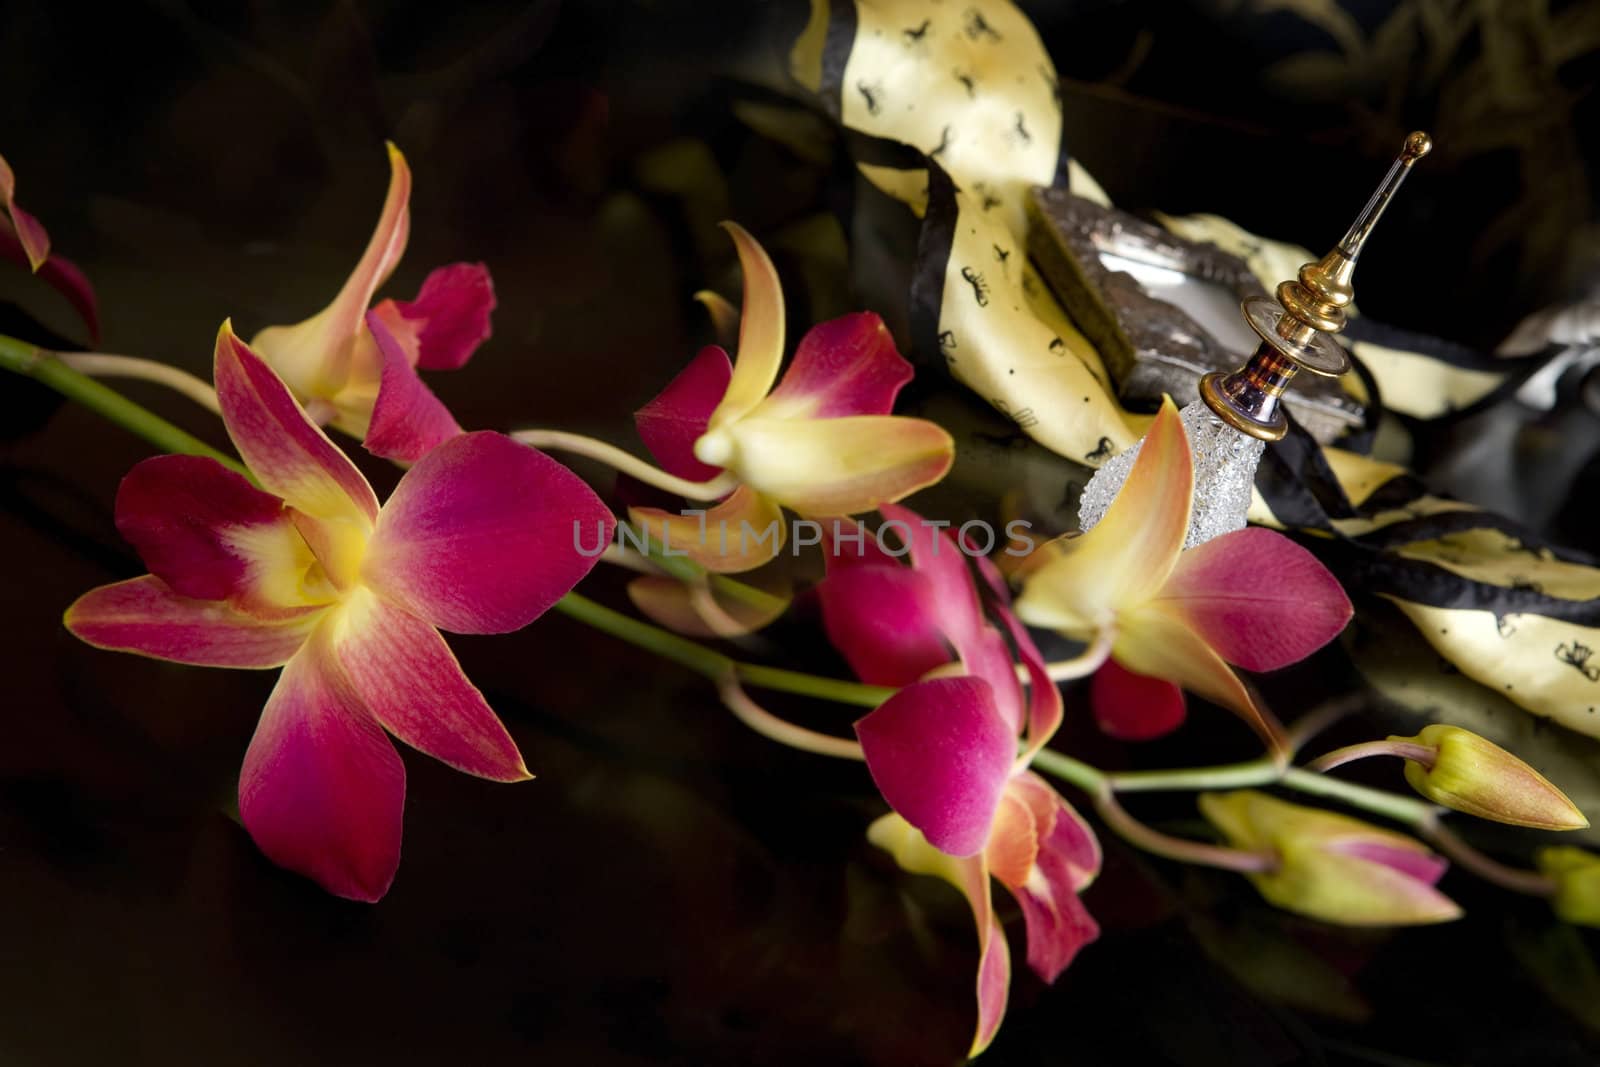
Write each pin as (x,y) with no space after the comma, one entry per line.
(1126,558)
(315,356)
(739,534)
(828,467)
(724,317)
(755,367)
(1152,642)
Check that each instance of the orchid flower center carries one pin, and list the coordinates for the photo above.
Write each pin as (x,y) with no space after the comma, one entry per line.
(338,545)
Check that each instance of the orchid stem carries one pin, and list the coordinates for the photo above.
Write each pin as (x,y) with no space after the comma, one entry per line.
(713,664)
(101,365)
(47,368)
(627,463)
(1177,848)
(1259,772)
(782,731)
(1423,754)
(1516,879)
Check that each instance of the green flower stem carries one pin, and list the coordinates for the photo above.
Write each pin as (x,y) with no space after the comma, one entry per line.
(1259,772)
(1516,879)
(1177,848)
(713,664)
(1415,813)
(44,367)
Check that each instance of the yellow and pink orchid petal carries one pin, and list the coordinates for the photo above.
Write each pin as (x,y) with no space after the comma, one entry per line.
(845,366)
(1132,706)
(482,535)
(940,754)
(1064,859)
(672,422)
(705,612)
(1128,555)
(828,467)
(315,355)
(407,418)
(755,367)
(1152,642)
(1258,625)
(449,319)
(289,455)
(406,675)
(913,853)
(881,618)
(30,232)
(209,534)
(741,533)
(144,616)
(322,789)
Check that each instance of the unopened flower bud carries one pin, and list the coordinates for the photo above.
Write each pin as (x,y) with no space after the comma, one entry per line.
(1330,866)
(1472,774)
(1576,873)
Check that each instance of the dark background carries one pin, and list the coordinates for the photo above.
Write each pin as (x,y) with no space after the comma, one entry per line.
(671,888)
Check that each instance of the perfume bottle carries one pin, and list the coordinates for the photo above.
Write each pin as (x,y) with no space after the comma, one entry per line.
(1238,413)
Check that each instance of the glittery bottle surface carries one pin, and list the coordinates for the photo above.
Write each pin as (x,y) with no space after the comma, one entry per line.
(1224,470)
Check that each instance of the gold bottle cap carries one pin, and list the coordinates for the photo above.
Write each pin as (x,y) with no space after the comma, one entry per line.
(1297,328)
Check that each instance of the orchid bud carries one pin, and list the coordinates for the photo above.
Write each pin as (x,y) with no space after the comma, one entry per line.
(1332,867)
(1472,774)
(1576,873)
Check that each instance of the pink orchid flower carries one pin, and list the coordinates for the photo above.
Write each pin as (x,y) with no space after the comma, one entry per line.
(944,749)
(1252,598)
(822,443)
(24,241)
(356,369)
(308,573)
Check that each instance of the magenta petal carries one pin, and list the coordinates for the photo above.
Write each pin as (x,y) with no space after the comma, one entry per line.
(1132,706)
(322,789)
(1044,697)
(405,673)
(283,448)
(936,554)
(1426,867)
(1058,923)
(449,319)
(407,419)
(144,615)
(483,535)
(184,514)
(1260,626)
(940,754)
(845,366)
(881,619)
(671,423)
(60,274)
(986,655)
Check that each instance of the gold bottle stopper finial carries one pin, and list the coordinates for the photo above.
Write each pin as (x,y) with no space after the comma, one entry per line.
(1296,329)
